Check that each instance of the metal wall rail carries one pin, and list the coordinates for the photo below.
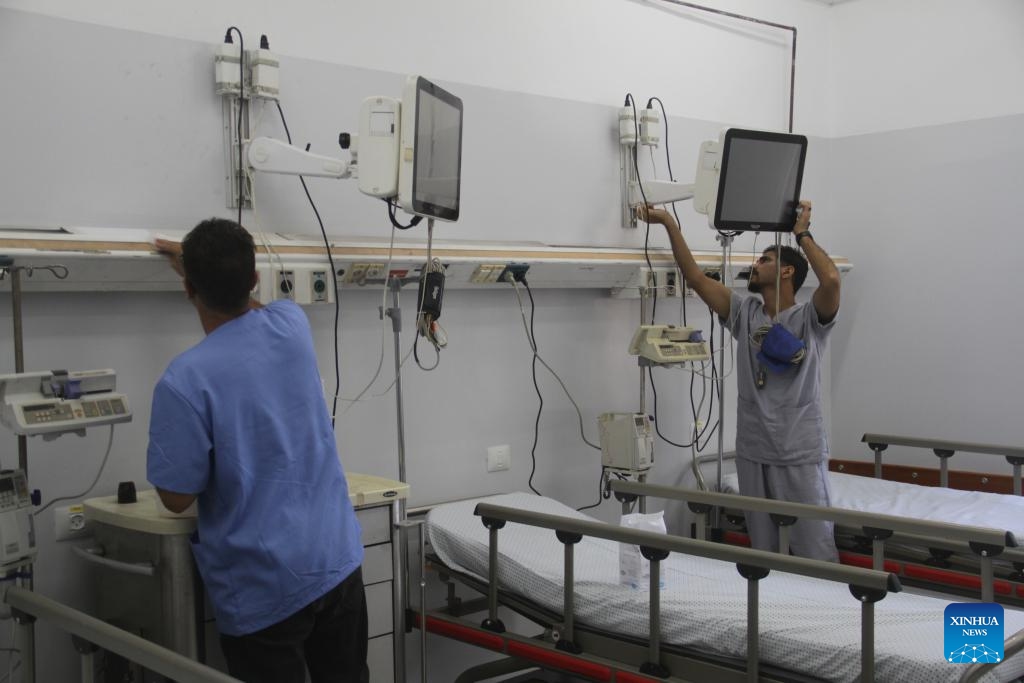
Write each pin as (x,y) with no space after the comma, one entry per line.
(985,543)
(945,450)
(89,634)
(867,585)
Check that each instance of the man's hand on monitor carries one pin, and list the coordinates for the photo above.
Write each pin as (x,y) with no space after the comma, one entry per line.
(803,217)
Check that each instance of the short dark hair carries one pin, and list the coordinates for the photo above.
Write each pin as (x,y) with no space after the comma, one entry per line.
(792,257)
(219,259)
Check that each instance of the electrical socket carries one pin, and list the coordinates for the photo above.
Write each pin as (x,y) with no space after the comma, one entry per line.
(356,274)
(286,283)
(487,272)
(671,282)
(499,458)
(515,271)
(320,283)
(664,281)
(69,523)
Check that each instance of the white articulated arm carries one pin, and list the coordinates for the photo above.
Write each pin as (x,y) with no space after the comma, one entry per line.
(273,156)
(659,192)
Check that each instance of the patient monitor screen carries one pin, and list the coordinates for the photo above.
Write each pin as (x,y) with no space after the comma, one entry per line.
(759,185)
(438,153)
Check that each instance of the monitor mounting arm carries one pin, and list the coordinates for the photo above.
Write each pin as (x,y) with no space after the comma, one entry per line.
(659,192)
(268,155)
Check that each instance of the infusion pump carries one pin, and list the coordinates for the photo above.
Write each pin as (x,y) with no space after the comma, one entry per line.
(53,403)
(668,345)
(626,441)
(17,531)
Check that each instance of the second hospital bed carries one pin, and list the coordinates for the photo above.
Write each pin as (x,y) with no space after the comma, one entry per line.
(808,627)
(932,503)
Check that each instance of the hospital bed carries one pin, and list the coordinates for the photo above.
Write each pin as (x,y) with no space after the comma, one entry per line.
(695,627)
(922,559)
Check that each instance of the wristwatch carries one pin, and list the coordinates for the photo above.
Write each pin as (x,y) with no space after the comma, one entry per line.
(801,235)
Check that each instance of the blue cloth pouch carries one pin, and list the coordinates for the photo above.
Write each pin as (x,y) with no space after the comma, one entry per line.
(778,348)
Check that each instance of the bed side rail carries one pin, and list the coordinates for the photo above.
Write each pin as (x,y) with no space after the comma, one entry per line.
(89,634)
(1012,646)
(945,450)
(985,543)
(867,585)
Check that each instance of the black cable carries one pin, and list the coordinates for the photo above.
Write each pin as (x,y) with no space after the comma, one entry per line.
(416,354)
(540,408)
(600,493)
(698,434)
(647,236)
(540,397)
(240,175)
(672,177)
(654,393)
(715,388)
(334,274)
(393,216)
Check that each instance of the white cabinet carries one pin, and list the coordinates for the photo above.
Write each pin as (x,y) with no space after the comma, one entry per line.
(378,578)
(163,607)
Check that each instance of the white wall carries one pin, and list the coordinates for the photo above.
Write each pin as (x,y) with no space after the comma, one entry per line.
(585,50)
(116,125)
(918,63)
(926,201)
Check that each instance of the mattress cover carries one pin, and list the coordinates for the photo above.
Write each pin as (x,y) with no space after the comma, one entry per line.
(932,503)
(807,625)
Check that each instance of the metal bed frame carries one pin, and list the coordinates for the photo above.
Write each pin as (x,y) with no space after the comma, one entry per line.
(571,648)
(574,650)
(986,544)
(945,450)
(946,564)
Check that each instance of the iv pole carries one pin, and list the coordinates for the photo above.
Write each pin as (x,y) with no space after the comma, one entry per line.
(394,312)
(28,640)
(27,644)
(394,285)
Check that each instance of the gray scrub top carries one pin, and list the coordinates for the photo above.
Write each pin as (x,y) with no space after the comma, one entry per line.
(781,423)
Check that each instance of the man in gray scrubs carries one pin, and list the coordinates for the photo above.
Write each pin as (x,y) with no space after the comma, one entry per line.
(781,446)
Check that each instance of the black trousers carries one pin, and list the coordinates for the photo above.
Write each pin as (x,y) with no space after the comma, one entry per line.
(327,636)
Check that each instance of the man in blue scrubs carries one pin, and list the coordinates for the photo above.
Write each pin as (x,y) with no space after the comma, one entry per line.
(781,445)
(239,424)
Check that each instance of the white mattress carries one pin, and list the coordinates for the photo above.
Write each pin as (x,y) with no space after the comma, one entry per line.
(952,506)
(807,625)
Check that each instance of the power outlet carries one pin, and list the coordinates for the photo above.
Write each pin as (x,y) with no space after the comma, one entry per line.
(286,284)
(513,271)
(318,283)
(69,523)
(499,458)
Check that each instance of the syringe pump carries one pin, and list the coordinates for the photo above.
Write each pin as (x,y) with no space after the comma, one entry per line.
(626,441)
(668,345)
(53,403)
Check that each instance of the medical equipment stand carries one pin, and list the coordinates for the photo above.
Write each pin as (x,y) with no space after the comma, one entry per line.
(395,284)
(725,240)
(641,477)
(27,646)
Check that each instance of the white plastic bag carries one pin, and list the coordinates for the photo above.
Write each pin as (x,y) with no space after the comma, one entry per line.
(634,568)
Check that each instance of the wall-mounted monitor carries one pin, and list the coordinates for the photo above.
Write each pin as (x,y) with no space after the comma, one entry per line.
(749,180)
(430,158)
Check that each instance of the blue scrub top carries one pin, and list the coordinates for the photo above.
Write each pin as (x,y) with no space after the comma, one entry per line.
(240,420)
